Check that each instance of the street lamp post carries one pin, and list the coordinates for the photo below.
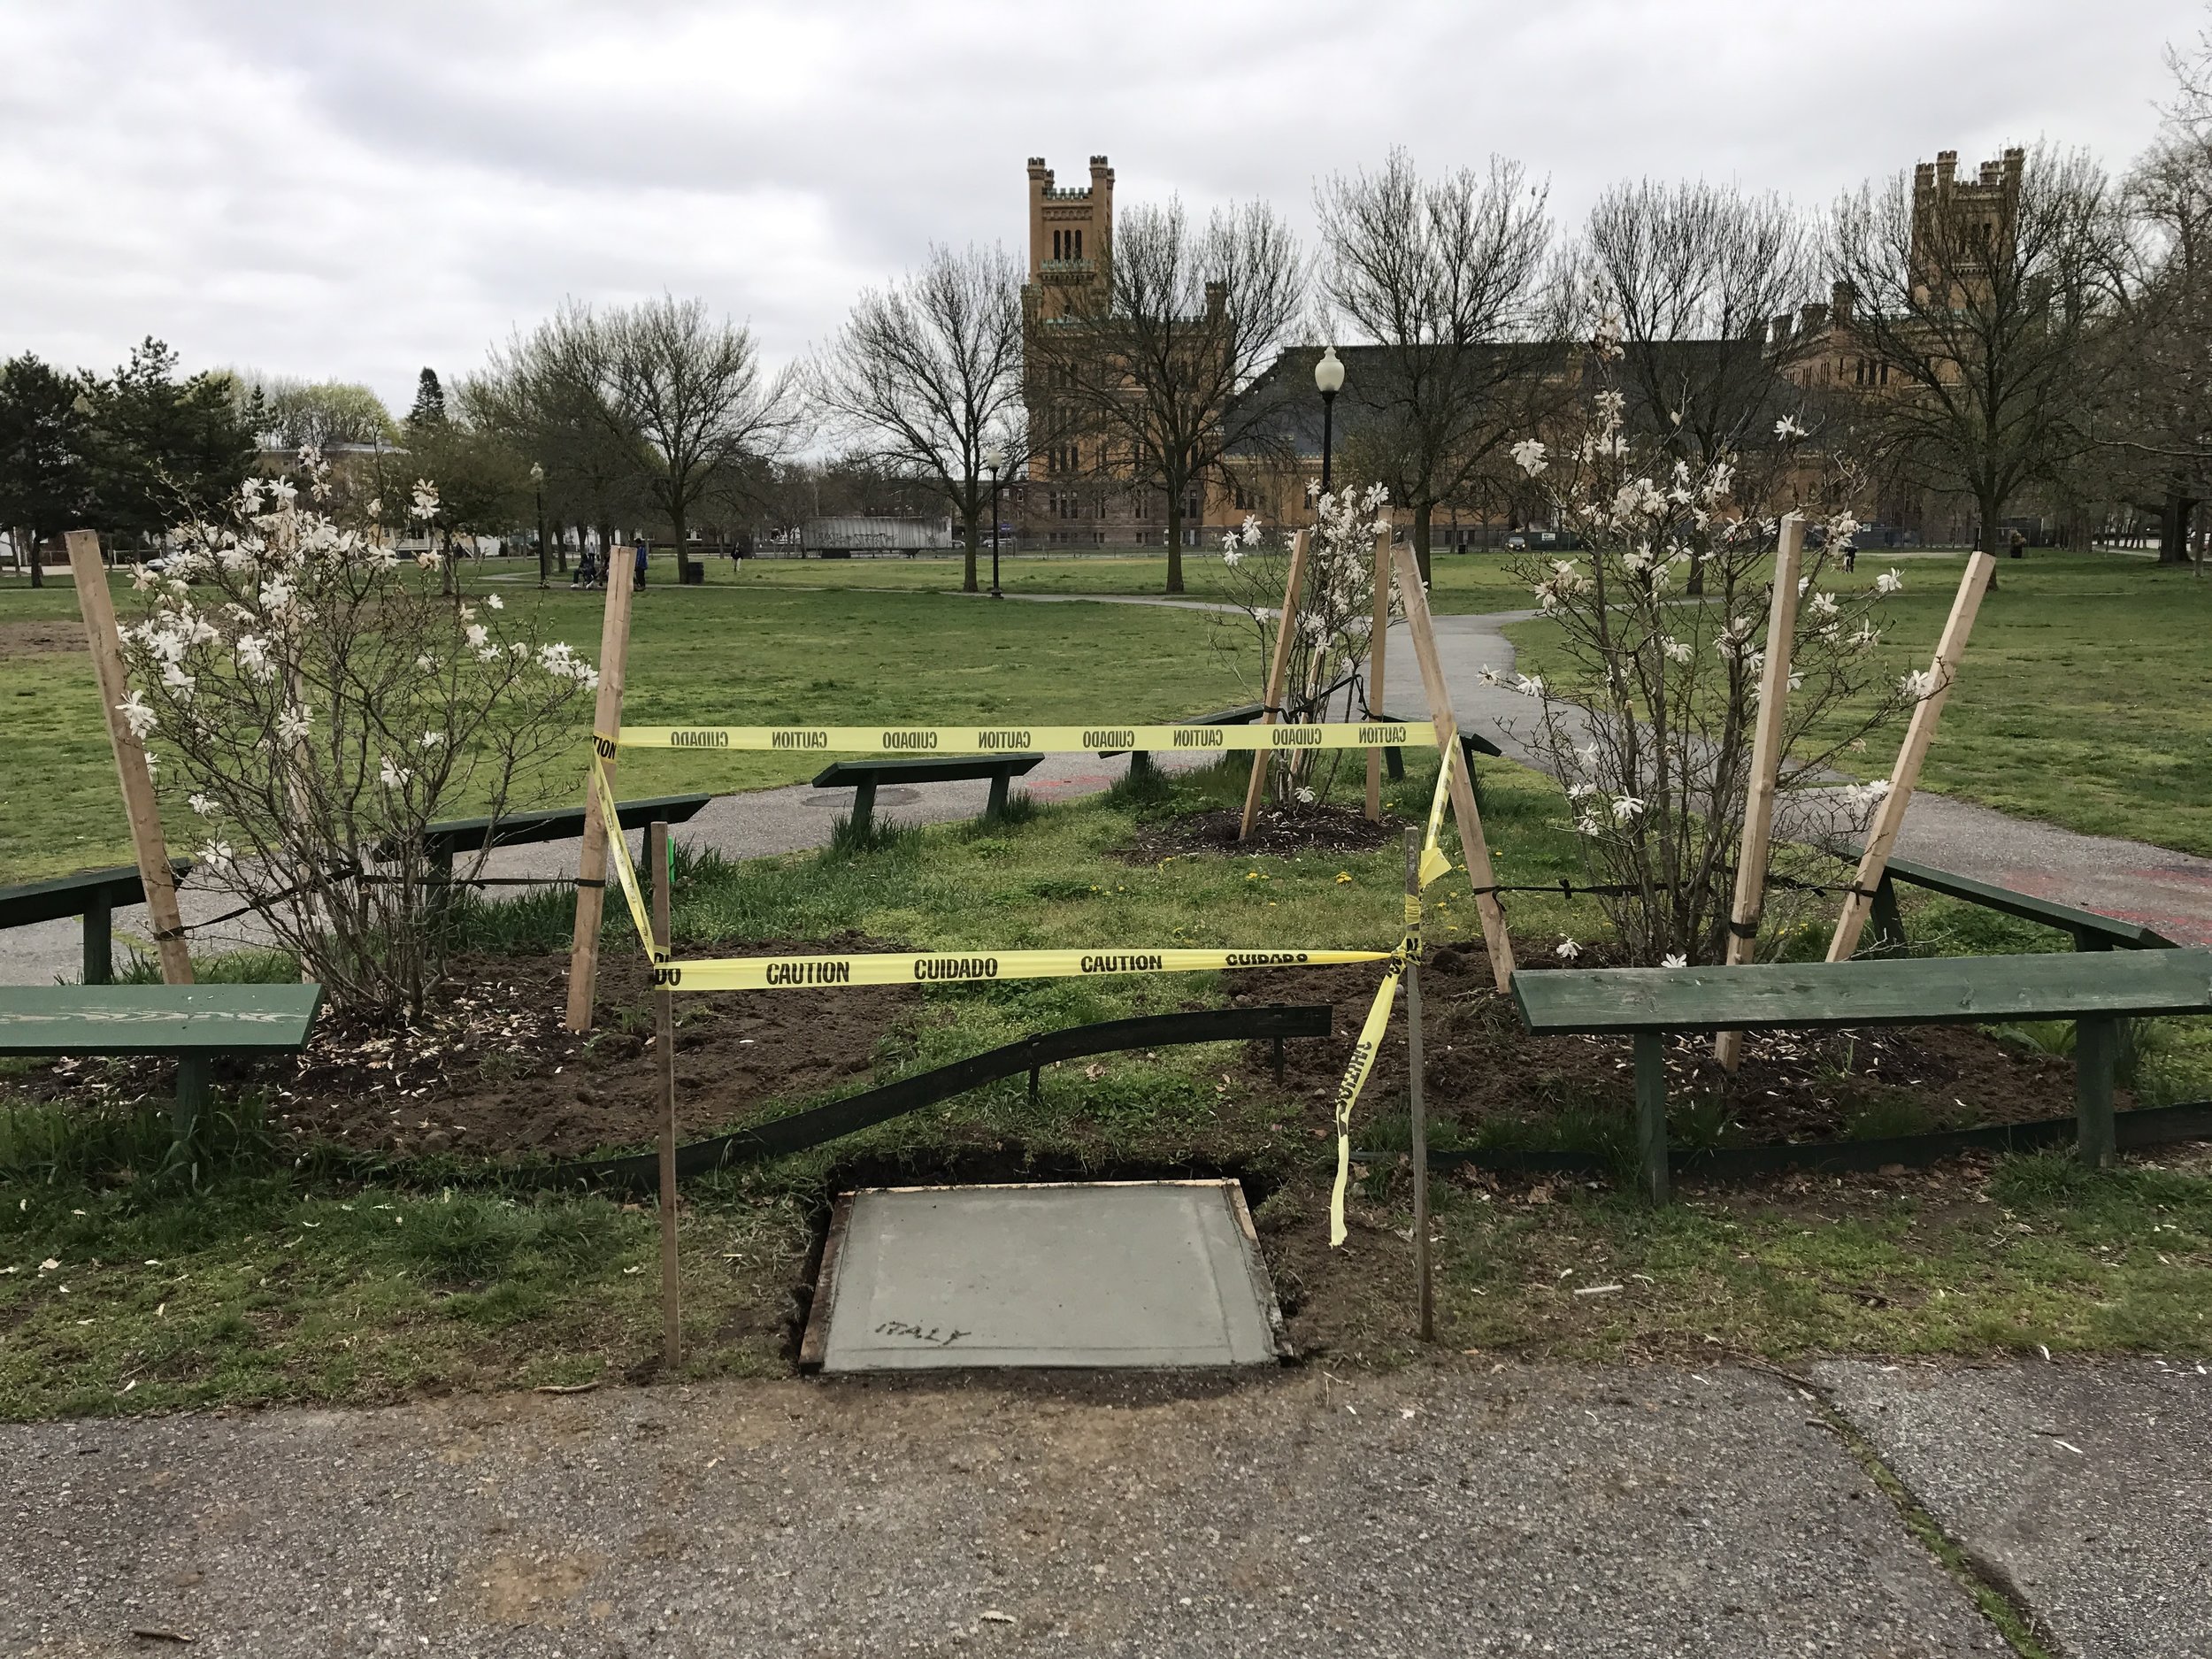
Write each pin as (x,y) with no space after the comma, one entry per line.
(994,457)
(537,482)
(1328,380)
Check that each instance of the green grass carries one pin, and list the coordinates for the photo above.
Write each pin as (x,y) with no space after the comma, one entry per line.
(2084,698)
(727,655)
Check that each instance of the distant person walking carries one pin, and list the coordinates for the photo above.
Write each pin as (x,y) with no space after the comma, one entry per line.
(2018,543)
(642,549)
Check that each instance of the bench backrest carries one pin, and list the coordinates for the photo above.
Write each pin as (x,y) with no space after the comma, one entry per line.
(473,834)
(1920,991)
(155,1018)
(64,896)
(2049,912)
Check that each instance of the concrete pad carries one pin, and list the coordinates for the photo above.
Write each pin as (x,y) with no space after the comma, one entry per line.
(1148,1273)
(2084,1487)
(1442,1513)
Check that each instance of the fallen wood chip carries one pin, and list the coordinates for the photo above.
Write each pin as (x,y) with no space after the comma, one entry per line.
(1594,1290)
(149,1633)
(566,1388)
(997,1617)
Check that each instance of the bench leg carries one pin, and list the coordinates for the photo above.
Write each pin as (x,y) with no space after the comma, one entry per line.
(1651,1114)
(995,808)
(1395,763)
(1140,763)
(864,806)
(1036,1084)
(2096,1052)
(192,1089)
(99,942)
(1889,923)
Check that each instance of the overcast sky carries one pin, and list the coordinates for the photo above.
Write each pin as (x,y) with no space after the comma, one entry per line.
(353,191)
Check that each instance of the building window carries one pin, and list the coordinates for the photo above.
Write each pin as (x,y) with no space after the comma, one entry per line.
(1079,245)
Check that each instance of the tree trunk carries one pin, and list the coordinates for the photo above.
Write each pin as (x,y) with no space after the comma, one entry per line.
(682,532)
(1175,540)
(971,529)
(29,538)
(1992,507)
(1423,517)
(2173,529)
(445,562)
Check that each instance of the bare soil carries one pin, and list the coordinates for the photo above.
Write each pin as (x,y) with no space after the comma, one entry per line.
(38,636)
(1276,830)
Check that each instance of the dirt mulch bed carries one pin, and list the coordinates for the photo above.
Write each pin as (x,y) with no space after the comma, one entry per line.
(40,636)
(1276,830)
(1792,1086)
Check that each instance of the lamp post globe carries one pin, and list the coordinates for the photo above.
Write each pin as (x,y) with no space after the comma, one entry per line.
(994,457)
(1328,380)
(537,484)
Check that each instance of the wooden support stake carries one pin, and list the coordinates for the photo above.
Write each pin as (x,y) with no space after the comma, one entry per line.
(1416,1107)
(1889,818)
(1272,709)
(591,864)
(1471,841)
(665,1040)
(1766,768)
(139,804)
(1378,654)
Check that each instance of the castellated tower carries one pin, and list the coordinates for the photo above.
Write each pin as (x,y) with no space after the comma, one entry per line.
(1071,238)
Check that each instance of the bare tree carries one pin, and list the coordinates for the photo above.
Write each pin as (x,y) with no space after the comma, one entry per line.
(686,389)
(925,377)
(1446,279)
(1982,310)
(1695,274)
(1158,369)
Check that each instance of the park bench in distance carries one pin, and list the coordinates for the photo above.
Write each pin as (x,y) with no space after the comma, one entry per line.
(442,839)
(193,1022)
(862,777)
(2091,931)
(91,894)
(1649,1003)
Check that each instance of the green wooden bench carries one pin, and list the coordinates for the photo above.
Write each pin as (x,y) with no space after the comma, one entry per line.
(862,777)
(2091,931)
(1646,1003)
(91,894)
(195,1022)
(449,836)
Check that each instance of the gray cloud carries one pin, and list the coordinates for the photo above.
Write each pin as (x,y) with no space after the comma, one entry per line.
(359,190)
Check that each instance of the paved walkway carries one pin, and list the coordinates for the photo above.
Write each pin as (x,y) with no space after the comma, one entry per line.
(1464,1511)
(2169,891)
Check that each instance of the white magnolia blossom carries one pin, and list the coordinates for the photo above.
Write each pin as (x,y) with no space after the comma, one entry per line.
(494,602)
(1589,824)
(424,503)
(217,856)
(254,660)
(1530,685)
(431,739)
(1567,951)
(390,774)
(1677,960)
(1918,684)
(136,715)
(476,635)
(1823,605)
(1787,429)
(1529,456)
(1889,582)
(1304,797)
(427,663)
(1627,809)
(1577,791)
(294,722)
(1676,650)
(202,805)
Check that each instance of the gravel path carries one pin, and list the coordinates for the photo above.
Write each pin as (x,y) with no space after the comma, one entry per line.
(1593,1513)
(2167,890)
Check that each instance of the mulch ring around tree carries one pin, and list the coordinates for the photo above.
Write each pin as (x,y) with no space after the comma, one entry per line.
(1484,1068)
(1277,831)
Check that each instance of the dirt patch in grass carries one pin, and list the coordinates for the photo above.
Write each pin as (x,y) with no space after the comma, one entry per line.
(1277,831)
(40,636)
(1485,1071)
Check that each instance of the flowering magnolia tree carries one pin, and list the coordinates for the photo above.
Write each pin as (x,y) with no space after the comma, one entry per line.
(1336,623)
(1647,711)
(316,703)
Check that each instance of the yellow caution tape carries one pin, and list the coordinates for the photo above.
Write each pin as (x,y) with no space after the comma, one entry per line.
(618,851)
(1016,739)
(1433,863)
(1348,1092)
(950,967)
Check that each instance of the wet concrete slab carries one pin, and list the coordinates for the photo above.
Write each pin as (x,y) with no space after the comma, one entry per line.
(1134,1273)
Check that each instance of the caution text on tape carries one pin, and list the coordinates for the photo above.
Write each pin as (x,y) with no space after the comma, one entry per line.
(948,967)
(1014,739)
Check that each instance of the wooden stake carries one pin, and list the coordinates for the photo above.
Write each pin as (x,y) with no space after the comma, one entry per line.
(1378,654)
(1890,816)
(1471,841)
(139,804)
(1415,1106)
(665,1040)
(1766,768)
(591,864)
(1273,709)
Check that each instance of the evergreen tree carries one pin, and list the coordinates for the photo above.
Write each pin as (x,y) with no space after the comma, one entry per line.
(429,410)
(45,471)
(164,450)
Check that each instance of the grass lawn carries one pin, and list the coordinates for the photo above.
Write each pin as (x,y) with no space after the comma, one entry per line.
(126,1287)
(2085,698)
(1462,581)
(758,654)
